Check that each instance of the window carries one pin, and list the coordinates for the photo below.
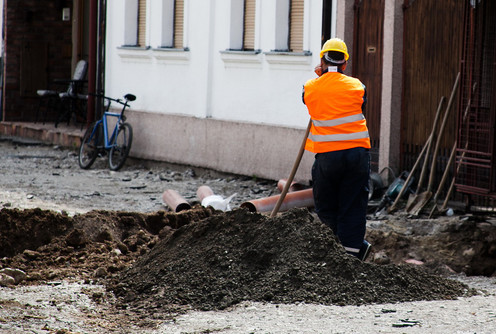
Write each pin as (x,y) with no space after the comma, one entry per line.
(328,8)
(296,26)
(141,23)
(134,23)
(172,24)
(178,23)
(289,25)
(243,25)
(249,25)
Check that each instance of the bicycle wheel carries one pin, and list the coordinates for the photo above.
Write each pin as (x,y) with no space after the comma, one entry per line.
(88,151)
(121,146)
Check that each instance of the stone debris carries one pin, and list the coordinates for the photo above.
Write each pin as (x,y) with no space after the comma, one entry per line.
(11,276)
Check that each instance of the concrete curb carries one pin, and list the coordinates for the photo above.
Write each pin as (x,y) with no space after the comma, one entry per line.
(63,135)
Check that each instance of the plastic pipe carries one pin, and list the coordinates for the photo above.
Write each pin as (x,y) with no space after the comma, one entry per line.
(295,186)
(175,201)
(295,199)
(204,191)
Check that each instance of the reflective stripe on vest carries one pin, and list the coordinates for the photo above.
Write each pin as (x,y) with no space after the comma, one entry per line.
(340,137)
(339,121)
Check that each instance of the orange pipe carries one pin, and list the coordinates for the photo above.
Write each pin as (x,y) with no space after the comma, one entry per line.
(175,201)
(295,199)
(204,191)
(295,186)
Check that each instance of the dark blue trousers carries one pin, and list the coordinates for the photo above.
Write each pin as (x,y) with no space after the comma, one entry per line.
(340,191)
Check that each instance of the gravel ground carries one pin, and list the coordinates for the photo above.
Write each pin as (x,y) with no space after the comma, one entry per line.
(48,177)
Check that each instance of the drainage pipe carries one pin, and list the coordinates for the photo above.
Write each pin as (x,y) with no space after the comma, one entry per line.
(175,201)
(295,199)
(295,186)
(204,191)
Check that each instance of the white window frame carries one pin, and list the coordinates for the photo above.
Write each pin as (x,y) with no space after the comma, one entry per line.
(281,56)
(282,26)
(236,25)
(130,23)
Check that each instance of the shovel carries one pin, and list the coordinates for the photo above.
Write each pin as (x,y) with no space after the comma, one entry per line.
(443,180)
(421,200)
(450,190)
(392,208)
(293,172)
(427,148)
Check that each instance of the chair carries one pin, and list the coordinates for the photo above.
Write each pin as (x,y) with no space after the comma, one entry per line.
(55,100)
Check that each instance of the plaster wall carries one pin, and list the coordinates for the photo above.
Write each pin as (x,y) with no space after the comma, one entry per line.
(391,85)
(235,147)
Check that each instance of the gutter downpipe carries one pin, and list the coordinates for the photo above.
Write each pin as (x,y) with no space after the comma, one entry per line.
(100,58)
(92,49)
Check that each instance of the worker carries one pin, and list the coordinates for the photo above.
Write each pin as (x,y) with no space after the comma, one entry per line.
(340,140)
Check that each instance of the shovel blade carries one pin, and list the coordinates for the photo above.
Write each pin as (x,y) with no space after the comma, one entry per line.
(419,202)
(411,201)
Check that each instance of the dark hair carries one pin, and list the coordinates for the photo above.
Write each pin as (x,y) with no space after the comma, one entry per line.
(334,55)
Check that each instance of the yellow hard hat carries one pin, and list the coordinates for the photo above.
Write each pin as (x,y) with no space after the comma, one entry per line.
(335,44)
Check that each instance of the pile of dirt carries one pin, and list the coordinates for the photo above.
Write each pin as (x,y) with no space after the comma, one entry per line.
(29,229)
(237,256)
(444,245)
(94,246)
(164,262)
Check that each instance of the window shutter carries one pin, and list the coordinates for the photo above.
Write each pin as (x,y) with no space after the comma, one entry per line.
(249,25)
(142,23)
(296,26)
(178,23)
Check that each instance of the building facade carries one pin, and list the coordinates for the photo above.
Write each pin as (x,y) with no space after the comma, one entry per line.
(219,83)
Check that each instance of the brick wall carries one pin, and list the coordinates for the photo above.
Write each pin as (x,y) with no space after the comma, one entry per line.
(38,48)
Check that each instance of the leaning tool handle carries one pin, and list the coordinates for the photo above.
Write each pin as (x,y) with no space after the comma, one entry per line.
(293,172)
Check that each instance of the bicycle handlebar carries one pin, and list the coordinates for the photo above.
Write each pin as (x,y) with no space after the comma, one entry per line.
(127,97)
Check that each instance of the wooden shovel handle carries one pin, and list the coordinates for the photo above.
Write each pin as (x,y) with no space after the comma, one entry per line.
(441,131)
(293,171)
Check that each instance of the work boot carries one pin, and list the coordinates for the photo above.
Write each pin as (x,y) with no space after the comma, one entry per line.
(361,253)
(364,250)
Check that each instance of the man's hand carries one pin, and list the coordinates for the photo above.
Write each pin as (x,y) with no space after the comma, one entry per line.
(318,70)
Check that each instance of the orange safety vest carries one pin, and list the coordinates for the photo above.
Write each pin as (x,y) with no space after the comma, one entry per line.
(334,101)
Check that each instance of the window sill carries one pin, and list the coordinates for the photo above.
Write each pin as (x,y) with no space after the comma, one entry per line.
(171,54)
(238,58)
(134,53)
(144,54)
(288,58)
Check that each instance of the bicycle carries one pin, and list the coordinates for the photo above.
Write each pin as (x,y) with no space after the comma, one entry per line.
(96,140)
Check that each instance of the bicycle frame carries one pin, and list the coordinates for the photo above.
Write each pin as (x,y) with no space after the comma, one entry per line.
(110,133)
(108,142)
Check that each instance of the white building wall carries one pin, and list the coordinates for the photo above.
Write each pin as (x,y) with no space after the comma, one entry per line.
(176,89)
(206,81)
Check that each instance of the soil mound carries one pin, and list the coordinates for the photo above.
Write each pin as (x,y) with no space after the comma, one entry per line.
(237,256)
(29,229)
(49,246)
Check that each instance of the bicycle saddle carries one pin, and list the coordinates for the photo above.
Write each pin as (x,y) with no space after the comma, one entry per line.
(130,97)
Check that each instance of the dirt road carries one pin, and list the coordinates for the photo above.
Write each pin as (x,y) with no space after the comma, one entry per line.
(35,175)
(68,289)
